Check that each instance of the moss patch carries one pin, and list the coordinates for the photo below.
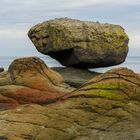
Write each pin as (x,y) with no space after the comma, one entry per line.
(110,90)
(109,94)
(110,85)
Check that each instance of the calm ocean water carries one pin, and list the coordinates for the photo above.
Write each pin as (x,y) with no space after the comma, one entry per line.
(131,63)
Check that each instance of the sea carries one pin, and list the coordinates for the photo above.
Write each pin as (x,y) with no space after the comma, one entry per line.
(131,62)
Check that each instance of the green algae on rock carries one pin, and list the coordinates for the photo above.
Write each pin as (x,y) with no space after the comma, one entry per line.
(81,44)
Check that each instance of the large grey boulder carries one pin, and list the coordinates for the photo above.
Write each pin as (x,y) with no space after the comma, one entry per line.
(80,43)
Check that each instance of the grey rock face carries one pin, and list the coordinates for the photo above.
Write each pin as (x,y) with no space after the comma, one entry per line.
(75,77)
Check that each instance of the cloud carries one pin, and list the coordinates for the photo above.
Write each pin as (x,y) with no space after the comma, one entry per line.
(12,33)
(33,11)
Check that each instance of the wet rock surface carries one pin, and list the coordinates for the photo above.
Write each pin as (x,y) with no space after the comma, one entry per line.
(81,44)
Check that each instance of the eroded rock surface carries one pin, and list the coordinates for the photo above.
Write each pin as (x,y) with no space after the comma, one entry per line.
(81,44)
(29,80)
(105,108)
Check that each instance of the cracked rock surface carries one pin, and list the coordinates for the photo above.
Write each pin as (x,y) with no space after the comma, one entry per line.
(106,107)
(81,44)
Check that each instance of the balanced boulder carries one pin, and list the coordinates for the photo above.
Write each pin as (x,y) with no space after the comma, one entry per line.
(81,44)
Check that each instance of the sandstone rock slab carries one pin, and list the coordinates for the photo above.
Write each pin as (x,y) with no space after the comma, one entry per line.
(30,80)
(111,114)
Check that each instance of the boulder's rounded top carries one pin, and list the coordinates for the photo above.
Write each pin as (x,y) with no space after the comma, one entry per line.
(34,69)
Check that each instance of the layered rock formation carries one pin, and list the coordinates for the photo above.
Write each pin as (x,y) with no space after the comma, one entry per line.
(79,43)
(116,84)
(29,80)
(106,107)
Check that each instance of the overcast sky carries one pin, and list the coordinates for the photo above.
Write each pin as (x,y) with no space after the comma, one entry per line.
(17,16)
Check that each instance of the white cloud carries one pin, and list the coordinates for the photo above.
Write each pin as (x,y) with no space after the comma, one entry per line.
(47,5)
(12,33)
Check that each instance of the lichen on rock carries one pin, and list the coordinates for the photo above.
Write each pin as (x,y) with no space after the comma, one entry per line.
(81,44)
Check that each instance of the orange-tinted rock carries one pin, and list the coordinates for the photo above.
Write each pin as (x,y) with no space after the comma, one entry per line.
(25,95)
(33,72)
(29,80)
